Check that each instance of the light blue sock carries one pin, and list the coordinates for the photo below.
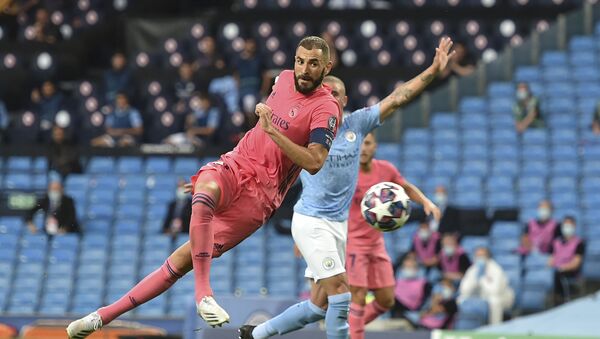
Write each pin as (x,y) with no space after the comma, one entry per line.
(294,318)
(336,319)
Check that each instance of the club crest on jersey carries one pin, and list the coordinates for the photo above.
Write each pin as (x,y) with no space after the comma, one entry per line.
(292,113)
(350,136)
(328,263)
(332,123)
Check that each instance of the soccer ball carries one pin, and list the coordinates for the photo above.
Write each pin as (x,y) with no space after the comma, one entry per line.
(386,206)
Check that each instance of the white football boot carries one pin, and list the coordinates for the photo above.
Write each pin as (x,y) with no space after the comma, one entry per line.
(85,326)
(211,312)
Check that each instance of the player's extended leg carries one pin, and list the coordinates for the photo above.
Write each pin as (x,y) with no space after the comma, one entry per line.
(384,301)
(356,318)
(206,199)
(338,300)
(154,284)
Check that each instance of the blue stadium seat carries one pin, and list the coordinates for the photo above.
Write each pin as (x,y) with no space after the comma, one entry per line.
(499,183)
(105,181)
(591,168)
(562,120)
(586,73)
(541,278)
(444,121)
(134,182)
(535,262)
(473,313)
(474,136)
(131,196)
(566,168)
(158,165)
(11,225)
(506,229)
(129,165)
(527,74)
(186,166)
(566,151)
(534,153)
(418,136)
(18,164)
(501,199)
(446,151)
(535,137)
(101,196)
(501,89)
(588,90)
(474,168)
(559,90)
(532,299)
(556,74)
(17,181)
(62,256)
(580,43)
(473,105)
(101,165)
(554,58)
(531,183)
(561,184)
(100,211)
(533,167)
(444,168)
(509,262)
(503,120)
(127,226)
(505,246)
(503,106)
(475,151)
(505,168)
(472,121)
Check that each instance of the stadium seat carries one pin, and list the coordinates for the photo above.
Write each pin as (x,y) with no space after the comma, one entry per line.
(532,299)
(101,165)
(471,243)
(472,313)
(129,165)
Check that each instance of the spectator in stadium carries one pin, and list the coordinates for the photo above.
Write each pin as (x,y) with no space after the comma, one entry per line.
(527,109)
(185,85)
(462,64)
(117,78)
(250,72)
(44,30)
(201,123)
(179,211)
(454,262)
(123,126)
(596,120)
(63,157)
(59,212)
(209,57)
(567,258)
(412,289)
(47,102)
(486,280)
(427,246)
(541,231)
(442,307)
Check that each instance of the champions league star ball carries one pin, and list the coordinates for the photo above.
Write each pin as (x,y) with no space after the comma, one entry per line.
(386,206)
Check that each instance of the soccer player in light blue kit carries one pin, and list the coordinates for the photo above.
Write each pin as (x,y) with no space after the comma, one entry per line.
(319,224)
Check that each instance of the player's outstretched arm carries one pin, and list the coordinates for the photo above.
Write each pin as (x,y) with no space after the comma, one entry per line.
(309,158)
(415,194)
(409,90)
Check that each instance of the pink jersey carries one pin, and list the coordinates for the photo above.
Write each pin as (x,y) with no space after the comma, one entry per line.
(361,236)
(295,115)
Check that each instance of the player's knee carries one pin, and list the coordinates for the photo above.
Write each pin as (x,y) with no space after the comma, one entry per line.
(386,302)
(359,296)
(182,259)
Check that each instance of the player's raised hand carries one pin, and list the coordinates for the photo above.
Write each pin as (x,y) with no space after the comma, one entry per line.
(265,114)
(431,209)
(443,54)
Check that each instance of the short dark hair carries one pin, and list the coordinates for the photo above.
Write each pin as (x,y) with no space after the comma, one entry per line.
(570,218)
(312,42)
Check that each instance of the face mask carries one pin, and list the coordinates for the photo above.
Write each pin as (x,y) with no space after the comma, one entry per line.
(568,230)
(424,234)
(447,293)
(440,199)
(544,213)
(480,262)
(449,250)
(180,194)
(54,195)
(409,273)
(522,95)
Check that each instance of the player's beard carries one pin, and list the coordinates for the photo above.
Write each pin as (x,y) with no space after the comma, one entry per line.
(315,83)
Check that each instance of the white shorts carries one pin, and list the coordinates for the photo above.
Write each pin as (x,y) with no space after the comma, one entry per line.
(322,244)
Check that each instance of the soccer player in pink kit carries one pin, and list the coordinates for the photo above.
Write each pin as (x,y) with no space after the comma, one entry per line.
(295,130)
(368,265)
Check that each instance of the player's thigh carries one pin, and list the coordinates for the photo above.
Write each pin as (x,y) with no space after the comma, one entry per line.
(357,268)
(218,179)
(381,271)
(318,245)
(359,294)
(385,296)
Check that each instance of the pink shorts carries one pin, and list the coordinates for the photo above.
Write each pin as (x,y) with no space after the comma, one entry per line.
(372,270)
(243,207)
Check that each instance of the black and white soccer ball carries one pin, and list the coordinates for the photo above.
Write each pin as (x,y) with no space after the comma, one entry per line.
(386,206)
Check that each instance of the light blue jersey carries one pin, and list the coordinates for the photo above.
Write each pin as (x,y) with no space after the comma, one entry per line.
(328,193)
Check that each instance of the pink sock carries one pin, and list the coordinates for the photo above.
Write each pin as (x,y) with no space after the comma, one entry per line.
(202,241)
(373,310)
(356,320)
(150,287)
